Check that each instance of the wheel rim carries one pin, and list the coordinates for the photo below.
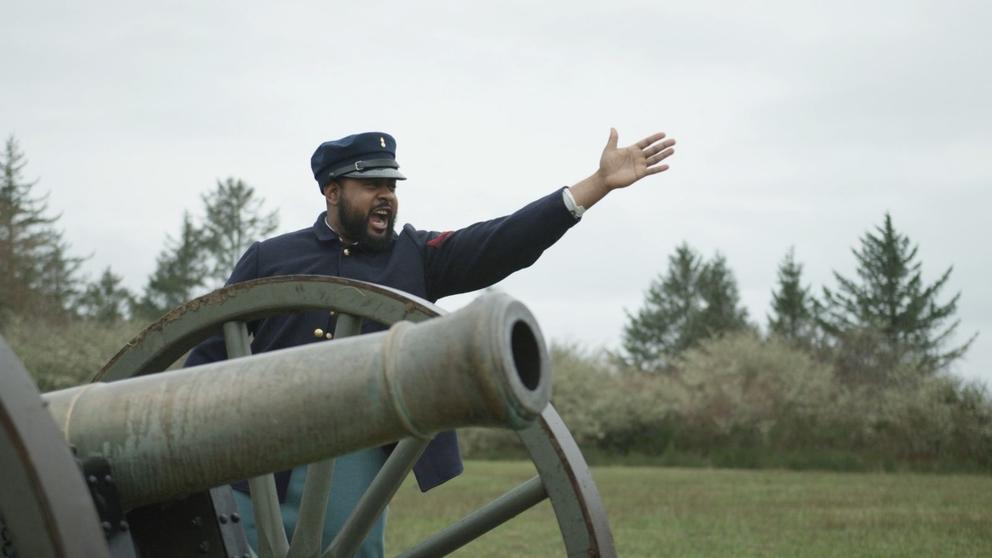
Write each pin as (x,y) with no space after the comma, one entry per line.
(564,476)
(45,508)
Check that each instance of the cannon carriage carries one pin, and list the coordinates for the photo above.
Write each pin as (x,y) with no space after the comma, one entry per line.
(136,463)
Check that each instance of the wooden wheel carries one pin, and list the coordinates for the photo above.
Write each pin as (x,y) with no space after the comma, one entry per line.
(563,475)
(45,508)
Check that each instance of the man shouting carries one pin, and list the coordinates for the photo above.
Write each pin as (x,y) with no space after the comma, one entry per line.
(355,238)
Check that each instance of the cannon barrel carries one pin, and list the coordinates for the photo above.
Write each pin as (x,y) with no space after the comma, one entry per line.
(170,434)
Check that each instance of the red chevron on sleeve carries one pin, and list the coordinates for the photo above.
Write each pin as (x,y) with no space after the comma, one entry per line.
(437,241)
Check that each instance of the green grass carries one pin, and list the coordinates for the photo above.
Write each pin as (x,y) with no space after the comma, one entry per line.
(709,512)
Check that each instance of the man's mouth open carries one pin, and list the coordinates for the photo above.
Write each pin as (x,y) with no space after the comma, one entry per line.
(379,220)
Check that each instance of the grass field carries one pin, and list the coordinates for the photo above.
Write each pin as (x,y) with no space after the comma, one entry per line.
(705,512)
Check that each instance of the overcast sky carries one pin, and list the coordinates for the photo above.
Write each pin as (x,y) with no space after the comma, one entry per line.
(798,124)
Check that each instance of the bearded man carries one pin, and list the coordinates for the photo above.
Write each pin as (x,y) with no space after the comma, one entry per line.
(354,238)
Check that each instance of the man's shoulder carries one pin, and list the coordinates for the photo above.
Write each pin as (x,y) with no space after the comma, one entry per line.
(305,235)
(413,232)
(418,236)
(276,250)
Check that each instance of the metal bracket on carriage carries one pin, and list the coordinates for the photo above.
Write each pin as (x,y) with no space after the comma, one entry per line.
(107,500)
(202,524)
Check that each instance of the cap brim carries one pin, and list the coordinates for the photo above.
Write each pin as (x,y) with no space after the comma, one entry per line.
(382,172)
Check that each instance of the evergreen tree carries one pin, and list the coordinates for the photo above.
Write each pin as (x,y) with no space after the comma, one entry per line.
(60,284)
(106,300)
(890,300)
(792,306)
(36,274)
(180,270)
(234,220)
(720,309)
(665,325)
(693,301)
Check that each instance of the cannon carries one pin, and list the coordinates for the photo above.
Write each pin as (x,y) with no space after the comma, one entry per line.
(137,462)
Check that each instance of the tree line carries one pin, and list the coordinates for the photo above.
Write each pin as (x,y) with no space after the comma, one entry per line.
(850,378)
(40,277)
(884,321)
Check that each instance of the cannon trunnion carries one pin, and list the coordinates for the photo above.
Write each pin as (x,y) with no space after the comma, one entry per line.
(136,463)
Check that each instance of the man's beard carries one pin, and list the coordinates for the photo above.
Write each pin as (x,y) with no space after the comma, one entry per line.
(355,227)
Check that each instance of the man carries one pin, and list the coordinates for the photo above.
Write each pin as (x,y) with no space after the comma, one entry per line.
(354,238)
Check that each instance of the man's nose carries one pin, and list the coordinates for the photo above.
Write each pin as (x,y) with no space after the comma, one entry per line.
(385,193)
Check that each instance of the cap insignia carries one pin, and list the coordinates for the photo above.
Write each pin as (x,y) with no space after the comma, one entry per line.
(382,142)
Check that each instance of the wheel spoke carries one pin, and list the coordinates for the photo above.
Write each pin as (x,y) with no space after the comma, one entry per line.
(272,542)
(379,493)
(474,525)
(313,505)
(347,325)
(317,487)
(236,339)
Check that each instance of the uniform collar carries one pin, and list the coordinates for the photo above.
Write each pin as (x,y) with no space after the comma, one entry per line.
(324,232)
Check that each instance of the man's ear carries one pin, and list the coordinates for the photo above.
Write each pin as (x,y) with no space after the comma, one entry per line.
(332,192)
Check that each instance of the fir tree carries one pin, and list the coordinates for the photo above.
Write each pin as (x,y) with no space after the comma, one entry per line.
(234,220)
(720,309)
(891,299)
(792,306)
(691,302)
(664,326)
(106,300)
(36,272)
(180,270)
(60,284)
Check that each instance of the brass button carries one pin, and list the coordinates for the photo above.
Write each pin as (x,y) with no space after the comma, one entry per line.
(318,333)
(329,335)
(347,251)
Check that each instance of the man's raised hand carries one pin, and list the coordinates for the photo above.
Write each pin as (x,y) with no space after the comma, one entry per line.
(621,167)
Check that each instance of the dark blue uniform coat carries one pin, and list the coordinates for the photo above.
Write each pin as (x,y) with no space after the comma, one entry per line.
(427,264)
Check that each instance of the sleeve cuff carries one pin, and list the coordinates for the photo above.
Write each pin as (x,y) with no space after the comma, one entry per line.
(575,209)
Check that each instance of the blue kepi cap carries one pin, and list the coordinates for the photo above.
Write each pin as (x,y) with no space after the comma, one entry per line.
(366,155)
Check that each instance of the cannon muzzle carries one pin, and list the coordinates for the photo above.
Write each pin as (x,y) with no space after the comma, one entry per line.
(170,434)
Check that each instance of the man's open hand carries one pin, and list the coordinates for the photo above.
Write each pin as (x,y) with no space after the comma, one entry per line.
(621,167)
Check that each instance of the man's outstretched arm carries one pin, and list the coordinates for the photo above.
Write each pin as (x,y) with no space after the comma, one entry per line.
(484,253)
(621,167)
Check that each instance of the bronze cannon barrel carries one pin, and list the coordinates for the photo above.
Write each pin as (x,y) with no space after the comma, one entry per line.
(170,434)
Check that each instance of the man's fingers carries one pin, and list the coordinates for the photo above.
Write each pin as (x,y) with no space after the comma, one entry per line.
(650,139)
(614,137)
(658,157)
(658,147)
(655,170)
